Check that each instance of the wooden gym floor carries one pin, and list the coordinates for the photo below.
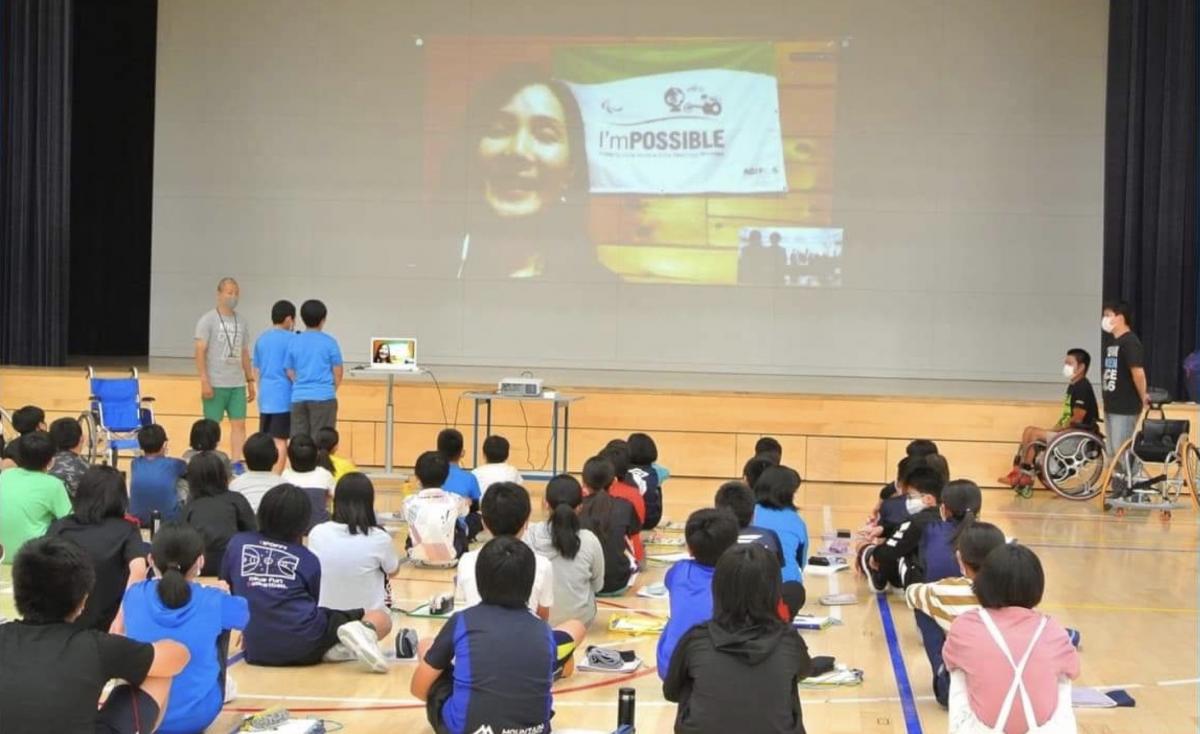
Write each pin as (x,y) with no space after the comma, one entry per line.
(1129,585)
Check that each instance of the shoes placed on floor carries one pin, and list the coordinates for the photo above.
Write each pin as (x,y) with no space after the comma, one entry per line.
(339,653)
(361,639)
(1010,479)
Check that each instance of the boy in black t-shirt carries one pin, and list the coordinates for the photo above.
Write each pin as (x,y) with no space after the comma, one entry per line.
(490,667)
(1078,411)
(26,419)
(888,560)
(1122,377)
(53,671)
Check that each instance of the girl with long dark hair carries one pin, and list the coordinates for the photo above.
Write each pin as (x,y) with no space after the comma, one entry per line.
(575,553)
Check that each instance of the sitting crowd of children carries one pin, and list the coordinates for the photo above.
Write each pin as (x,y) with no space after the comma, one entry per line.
(303,569)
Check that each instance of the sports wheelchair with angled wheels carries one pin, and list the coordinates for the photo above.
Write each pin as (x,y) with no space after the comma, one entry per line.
(117,411)
(1071,464)
(1154,469)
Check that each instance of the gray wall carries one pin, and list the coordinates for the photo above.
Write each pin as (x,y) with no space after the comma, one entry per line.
(968,174)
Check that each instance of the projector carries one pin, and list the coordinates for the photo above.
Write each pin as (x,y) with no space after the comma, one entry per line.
(525,387)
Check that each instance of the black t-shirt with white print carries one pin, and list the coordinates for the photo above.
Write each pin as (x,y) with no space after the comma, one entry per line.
(1121,355)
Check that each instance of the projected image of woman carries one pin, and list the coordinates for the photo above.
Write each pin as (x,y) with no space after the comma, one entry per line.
(528,183)
(383,354)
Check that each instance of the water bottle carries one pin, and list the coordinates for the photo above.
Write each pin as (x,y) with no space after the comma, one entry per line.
(155,522)
(626,701)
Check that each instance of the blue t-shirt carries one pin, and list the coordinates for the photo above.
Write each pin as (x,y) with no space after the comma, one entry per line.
(462,483)
(152,487)
(274,388)
(312,355)
(690,585)
(282,583)
(503,669)
(196,692)
(936,557)
(793,536)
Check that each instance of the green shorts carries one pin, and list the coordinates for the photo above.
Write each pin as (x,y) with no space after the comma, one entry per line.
(231,400)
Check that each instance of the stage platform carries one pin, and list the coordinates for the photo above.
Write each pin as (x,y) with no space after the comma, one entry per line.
(832,430)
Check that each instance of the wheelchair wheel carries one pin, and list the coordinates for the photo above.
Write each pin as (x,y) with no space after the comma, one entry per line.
(1192,459)
(1073,465)
(91,437)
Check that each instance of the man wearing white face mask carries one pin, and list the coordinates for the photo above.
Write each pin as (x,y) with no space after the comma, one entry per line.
(1078,411)
(1123,376)
(223,361)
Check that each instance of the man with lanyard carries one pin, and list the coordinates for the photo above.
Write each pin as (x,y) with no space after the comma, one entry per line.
(223,361)
(1122,384)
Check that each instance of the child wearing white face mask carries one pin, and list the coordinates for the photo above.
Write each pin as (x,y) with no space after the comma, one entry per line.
(1079,410)
(887,559)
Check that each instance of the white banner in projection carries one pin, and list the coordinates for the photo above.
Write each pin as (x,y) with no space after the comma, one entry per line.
(684,118)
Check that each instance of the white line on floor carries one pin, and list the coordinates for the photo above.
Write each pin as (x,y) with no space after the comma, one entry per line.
(1180,682)
(558,702)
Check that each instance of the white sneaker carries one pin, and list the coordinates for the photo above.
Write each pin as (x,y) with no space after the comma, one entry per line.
(362,641)
(230,688)
(339,653)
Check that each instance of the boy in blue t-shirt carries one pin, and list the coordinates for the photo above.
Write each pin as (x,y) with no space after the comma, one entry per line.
(281,580)
(314,365)
(708,533)
(175,607)
(460,482)
(491,666)
(274,387)
(154,482)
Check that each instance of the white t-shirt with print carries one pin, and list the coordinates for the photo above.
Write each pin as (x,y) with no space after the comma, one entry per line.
(467,589)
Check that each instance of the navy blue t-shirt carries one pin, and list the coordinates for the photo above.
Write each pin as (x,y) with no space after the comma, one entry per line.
(765,537)
(936,559)
(282,583)
(503,663)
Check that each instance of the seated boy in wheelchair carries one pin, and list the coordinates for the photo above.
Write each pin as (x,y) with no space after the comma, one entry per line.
(1079,411)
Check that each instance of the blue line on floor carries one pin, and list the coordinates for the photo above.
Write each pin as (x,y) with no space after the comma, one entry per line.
(912,720)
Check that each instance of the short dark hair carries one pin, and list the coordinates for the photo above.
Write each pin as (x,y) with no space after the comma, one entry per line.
(312,313)
(926,481)
(505,508)
(504,571)
(302,453)
(354,503)
(206,475)
(976,541)
(282,310)
(754,468)
(776,488)
(152,438)
(738,498)
(66,433)
(617,452)
(768,446)
(28,419)
(709,533)
(51,577)
(431,469)
(450,444)
(260,452)
(284,513)
(642,449)
(205,435)
(495,449)
(1081,356)
(598,473)
(1011,576)
(37,451)
(746,588)
(920,447)
(99,496)
(937,463)
(1120,308)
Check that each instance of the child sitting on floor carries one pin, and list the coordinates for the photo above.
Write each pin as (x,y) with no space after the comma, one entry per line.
(327,440)
(775,493)
(52,671)
(491,666)
(613,520)
(155,480)
(437,535)
(886,560)
(316,481)
(643,455)
(708,534)
(982,645)
(175,607)
(574,552)
(738,672)
(69,466)
(281,579)
(497,469)
(215,512)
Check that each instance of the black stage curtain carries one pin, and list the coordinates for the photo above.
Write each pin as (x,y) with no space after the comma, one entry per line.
(112,162)
(1150,235)
(35,166)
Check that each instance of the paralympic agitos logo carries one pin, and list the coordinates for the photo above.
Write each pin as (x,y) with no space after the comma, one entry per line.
(693,104)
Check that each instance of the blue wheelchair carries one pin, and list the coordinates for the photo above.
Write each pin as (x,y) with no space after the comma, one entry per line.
(117,410)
